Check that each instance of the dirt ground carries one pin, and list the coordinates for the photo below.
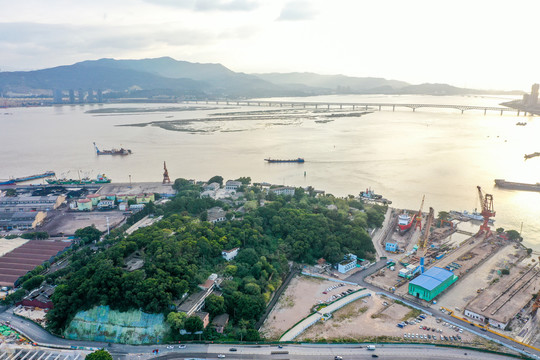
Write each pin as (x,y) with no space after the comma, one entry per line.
(465,289)
(369,317)
(67,222)
(35,314)
(297,301)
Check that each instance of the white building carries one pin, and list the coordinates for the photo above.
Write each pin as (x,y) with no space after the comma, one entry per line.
(349,262)
(216,214)
(213,186)
(230,254)
(232,185)
(284,190)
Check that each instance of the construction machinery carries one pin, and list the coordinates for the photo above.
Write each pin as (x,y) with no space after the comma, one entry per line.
(423,241)
(419,215)
(488,212)
(166,179)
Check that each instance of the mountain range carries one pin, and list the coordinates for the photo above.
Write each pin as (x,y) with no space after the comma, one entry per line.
(169,77)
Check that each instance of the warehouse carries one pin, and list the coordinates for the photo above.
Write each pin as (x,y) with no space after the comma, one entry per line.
(431,283)
(21,220)
(26,256)
(30,203)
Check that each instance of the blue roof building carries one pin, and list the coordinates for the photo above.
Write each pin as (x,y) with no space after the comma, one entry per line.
(431,283)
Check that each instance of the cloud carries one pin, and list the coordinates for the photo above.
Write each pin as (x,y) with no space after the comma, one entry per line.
(23,43)
(209,5)
(297,10)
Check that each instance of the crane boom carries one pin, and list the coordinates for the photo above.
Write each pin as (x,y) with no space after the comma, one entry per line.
(486,202)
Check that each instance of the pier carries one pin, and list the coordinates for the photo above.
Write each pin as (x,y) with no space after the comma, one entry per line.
(357,106)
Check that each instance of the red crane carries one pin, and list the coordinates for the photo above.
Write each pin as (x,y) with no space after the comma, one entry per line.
(486,201)
(166,179)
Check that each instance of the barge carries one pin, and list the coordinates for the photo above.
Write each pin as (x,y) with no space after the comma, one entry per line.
(297,160)
(517,186)
(27,178)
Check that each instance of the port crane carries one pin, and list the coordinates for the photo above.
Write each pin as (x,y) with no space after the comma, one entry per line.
(486,201)
(423,241)
(418,224)
(166,179)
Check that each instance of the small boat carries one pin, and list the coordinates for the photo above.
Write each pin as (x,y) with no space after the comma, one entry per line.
(120,151)
(297,160)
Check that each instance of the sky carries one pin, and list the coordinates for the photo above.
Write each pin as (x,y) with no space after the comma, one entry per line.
(465,43)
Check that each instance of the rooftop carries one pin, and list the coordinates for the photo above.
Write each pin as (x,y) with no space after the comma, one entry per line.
(504,299)
(432,278)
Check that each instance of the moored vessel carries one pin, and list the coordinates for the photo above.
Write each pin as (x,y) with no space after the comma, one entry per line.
(297,160)
(516,186)
(100,179)
(405,222)
(120,151)
(27,178)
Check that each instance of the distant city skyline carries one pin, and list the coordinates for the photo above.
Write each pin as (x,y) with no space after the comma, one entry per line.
(481,44)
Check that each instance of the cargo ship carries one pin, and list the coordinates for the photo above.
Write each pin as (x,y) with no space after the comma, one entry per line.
(100,179)
(528,156)
(297,160)
(517,186)
(27,178)
(405,222)
(120,151)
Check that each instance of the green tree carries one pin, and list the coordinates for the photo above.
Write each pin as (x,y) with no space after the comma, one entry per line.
(176,320)
(500,230)
(505,271)
(215,305)
(513,235)
(99,355)
(193,324)
(245,180)
(88,234)
(14,297)
(443,215)
(218,179)
(33,282)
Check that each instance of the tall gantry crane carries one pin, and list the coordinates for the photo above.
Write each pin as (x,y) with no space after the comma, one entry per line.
(418,224)
(166,179)
(486,202)
(423,241)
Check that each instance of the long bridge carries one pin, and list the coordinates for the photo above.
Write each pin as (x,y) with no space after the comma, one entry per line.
(356,106)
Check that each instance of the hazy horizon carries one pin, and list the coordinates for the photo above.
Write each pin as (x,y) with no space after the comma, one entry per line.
(464,44)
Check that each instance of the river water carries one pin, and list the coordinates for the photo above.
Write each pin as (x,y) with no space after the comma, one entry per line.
(402,155)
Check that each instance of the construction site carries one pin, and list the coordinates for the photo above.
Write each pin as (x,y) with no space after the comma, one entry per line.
(483,277)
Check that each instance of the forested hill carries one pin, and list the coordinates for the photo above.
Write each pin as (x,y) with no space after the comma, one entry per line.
(183,249)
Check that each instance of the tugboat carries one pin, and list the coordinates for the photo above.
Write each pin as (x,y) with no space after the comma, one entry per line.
(120,151)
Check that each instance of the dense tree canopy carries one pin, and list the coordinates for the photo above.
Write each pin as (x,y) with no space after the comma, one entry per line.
(182,250)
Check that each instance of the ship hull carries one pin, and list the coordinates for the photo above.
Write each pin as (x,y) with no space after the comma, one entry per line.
(517,186)
(299,160)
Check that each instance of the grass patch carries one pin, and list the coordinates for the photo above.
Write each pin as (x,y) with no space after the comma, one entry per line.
(286,302)
(411,314)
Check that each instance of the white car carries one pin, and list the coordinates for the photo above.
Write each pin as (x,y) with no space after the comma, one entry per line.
(182,346)
(170,347)
(221,356)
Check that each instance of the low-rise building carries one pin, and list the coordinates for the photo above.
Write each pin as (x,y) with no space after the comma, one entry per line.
(106,204)
(232,185)
(216,214)
(283,190)
(204,316)
(220,322)
(347,264)
(95,198)
(392,247)
(213,186)
(21,220)
(230,254)
(84,205)
(40,298)
(30,203)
